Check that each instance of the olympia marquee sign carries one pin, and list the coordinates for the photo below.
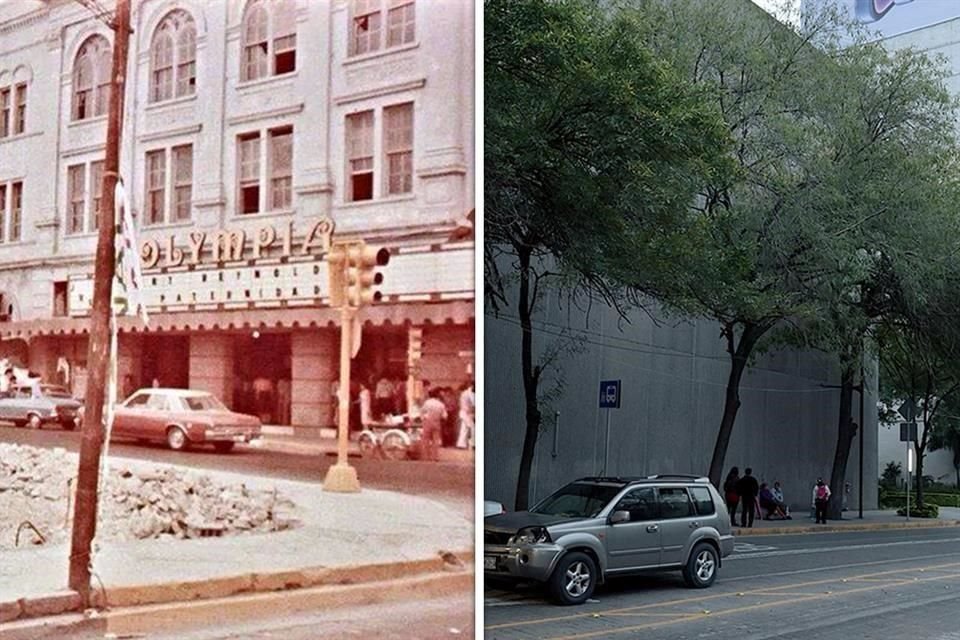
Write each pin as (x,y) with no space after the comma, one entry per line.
(234,246)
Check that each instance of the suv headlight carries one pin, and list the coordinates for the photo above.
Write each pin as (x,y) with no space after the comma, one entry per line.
(530,535)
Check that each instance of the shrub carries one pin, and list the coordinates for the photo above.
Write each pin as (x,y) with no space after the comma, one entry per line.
(926,511)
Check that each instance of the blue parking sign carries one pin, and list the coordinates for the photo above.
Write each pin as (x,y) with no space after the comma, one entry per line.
(609,394)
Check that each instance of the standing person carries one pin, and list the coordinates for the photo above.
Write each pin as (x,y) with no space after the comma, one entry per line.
(821,499)
(9,380)
(747,488)
(366,406)
(730,492)
(467,416)
(433,413)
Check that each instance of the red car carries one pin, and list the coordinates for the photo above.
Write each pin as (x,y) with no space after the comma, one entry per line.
(182,418)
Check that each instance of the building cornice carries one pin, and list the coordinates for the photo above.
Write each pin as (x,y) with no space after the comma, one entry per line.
(26,20)
(400,87)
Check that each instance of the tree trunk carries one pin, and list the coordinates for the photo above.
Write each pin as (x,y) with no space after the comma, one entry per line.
(919,453)
(845,434)
(957,469)
(531,381)
(738,364)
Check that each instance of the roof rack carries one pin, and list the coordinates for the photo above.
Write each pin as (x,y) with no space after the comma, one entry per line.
(678,476)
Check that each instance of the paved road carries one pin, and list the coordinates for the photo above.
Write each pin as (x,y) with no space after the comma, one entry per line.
(831,586)
(451,483)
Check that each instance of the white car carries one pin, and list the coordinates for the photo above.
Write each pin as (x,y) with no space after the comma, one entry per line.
(492,508)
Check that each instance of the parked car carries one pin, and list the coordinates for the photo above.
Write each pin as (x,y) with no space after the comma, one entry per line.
(34,405)
(182,418)
(595,528)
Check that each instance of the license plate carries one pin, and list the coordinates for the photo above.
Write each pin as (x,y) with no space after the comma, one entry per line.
(489,563)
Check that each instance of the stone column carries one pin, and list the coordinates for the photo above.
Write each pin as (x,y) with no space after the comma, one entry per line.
(316,362)
(211,365)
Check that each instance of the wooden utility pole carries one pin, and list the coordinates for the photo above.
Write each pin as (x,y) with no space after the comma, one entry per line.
(98,353)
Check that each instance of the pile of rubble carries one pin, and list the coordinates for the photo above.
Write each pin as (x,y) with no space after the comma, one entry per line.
(36,487)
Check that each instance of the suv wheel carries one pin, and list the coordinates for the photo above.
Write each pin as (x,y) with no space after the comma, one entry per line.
(573,579)
(701,568)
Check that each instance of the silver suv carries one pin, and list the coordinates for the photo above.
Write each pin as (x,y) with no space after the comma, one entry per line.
(594,528)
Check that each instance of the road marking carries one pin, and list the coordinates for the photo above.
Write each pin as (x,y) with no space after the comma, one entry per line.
(747,547)
(715,596)
(851,547)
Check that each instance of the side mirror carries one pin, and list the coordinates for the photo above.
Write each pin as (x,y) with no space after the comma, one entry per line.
(619,516)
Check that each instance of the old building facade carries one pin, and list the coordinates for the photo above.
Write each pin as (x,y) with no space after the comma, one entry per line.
(254,131)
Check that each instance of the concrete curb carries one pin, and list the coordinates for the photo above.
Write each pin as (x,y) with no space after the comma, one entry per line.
(181,615)
(245,584)
(834,528)
(447,455)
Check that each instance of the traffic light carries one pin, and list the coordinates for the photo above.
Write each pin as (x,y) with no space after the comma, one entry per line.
(415,348)
(362,274)
(336,275)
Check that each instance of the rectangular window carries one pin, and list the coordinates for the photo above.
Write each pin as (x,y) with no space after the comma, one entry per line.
(3,210)
(281,168)
(60,299)
(16,210)
(96,188)
(20,109)
(401,22)
(182,182)
(365,34)
(4,112)
(360,156)
(156,177)
(249,178)
(284,40)
(398,146)
(76,176)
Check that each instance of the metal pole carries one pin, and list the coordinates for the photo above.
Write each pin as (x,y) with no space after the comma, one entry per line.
(863,391)
(908,477)
(98,356)
(556,432)
(341,477)
(606,446)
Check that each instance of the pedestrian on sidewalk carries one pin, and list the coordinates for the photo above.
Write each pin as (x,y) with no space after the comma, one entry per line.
(467,420)
(821,499)
(730,492)
(747,489)
(433,415)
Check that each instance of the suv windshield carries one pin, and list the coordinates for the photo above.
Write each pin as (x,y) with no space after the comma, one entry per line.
(202,403)
(578,500)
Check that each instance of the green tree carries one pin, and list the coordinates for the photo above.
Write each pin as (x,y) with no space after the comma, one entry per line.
(919,359)
(946,433)
(594,148)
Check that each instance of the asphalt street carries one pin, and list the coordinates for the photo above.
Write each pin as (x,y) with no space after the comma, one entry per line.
(450,483)
(849,585)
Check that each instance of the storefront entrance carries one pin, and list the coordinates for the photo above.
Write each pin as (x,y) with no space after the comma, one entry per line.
(165,362)
(263,374)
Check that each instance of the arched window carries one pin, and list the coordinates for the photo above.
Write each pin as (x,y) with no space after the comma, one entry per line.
(91,78)
(269,39)
(173,58)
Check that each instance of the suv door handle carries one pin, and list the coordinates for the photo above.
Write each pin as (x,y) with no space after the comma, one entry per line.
(652,528)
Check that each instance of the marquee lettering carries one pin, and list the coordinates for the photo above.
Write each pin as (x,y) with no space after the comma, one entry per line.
(230,245)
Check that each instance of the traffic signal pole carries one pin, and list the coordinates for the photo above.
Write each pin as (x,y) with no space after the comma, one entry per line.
(98,355)
(341,477)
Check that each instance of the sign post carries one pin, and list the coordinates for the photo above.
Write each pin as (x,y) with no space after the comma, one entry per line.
(908,434)
(609,399)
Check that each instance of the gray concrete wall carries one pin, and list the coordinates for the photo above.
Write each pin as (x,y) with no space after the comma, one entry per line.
(674,379)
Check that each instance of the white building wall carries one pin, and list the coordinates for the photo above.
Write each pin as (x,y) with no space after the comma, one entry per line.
(436,73)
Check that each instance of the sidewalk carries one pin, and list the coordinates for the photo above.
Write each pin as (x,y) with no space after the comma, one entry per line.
(324,442)
(343,539)
(872,521)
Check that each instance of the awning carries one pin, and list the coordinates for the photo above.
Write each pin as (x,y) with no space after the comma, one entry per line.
(435,313)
